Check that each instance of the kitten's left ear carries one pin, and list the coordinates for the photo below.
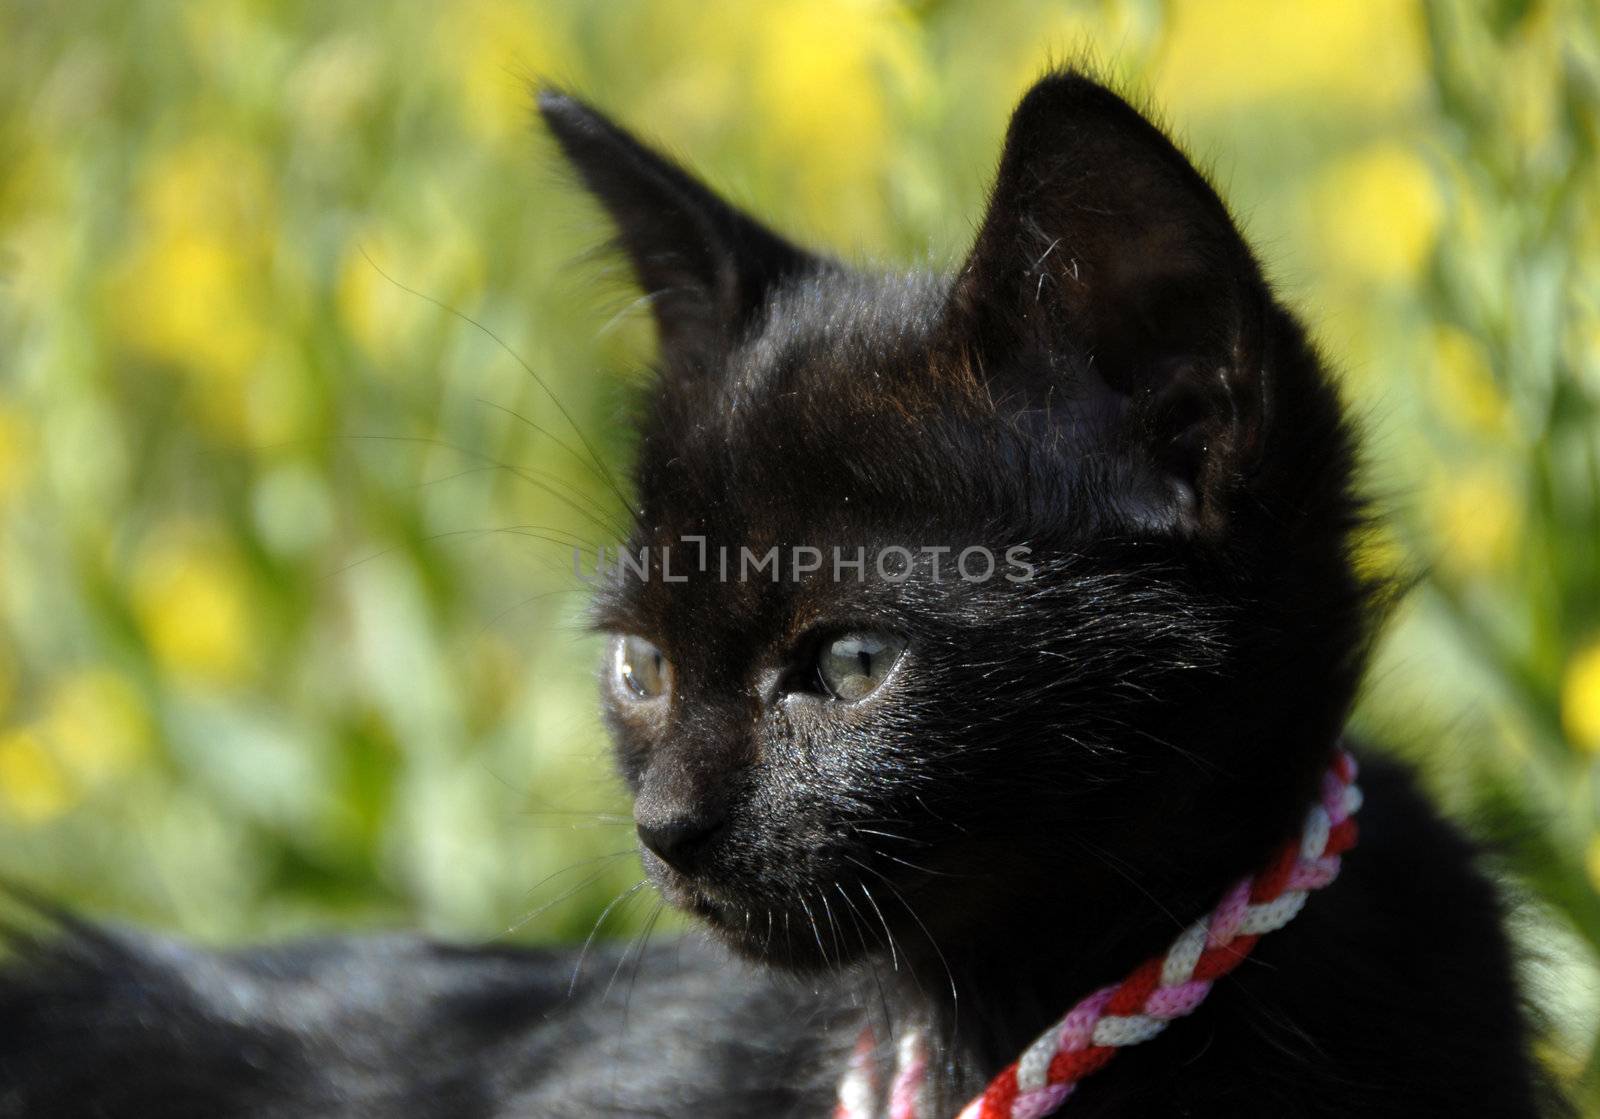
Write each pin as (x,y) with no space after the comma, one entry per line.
(1109,282)
(706,267)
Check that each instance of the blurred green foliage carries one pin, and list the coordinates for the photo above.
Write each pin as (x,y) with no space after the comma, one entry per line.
(288,633)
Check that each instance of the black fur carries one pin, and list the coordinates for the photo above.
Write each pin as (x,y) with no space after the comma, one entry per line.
(1059,774)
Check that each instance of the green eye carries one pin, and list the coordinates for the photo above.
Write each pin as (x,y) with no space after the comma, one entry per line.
(642,670)
(852,666)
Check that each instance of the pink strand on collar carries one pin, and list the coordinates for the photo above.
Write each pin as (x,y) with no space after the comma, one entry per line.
(859,1087)
(1163,988)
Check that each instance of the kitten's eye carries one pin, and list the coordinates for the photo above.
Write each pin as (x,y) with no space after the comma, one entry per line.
(642,669)
(854,665)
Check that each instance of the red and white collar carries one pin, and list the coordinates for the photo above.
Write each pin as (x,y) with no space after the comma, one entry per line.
(1163,988)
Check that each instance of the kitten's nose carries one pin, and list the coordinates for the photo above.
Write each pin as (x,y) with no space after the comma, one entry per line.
(679,839)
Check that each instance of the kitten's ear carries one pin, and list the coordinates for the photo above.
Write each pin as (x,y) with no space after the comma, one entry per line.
(706,267)
(1106,253)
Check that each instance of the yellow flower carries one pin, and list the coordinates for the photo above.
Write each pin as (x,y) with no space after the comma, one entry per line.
(1378,213)
(1476,520)
(821,71)
(383,317)
(190,294)
(16,452)
(189,593)
(96,724)
(817,77)
(1580,702)
(186,305)
(1226,53)
(375,313)
(33,790)
(1466,386)
(212,183)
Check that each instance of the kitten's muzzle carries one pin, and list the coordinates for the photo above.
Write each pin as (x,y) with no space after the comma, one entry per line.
(679,839)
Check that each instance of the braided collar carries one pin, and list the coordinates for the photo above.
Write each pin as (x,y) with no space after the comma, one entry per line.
(1161,989)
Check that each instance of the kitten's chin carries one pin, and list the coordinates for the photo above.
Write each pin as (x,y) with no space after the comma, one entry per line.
(780,937)
(806,937)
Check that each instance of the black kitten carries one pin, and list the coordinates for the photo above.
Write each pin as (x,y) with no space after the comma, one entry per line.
(975,635)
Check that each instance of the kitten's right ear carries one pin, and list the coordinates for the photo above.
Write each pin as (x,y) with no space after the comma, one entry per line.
(1103,241)
(706,267)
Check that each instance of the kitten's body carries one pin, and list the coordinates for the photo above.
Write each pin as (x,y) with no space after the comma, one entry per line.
(1057,777)
(1317,1025)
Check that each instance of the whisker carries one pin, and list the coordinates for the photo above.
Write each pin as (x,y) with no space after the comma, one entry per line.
(587,882)
(545,480)
(1119,867)
(816,930)
(603,817)
(520,603)
(572,984)
(519,417)
(833,930)
(503,530)
(894,955)
(599,464)
(638,961)
(955,995)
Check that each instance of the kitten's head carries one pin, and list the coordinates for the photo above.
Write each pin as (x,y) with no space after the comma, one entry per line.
(1143,630)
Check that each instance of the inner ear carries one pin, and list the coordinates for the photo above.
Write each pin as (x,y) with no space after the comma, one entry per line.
(1107,259)
(706,267)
